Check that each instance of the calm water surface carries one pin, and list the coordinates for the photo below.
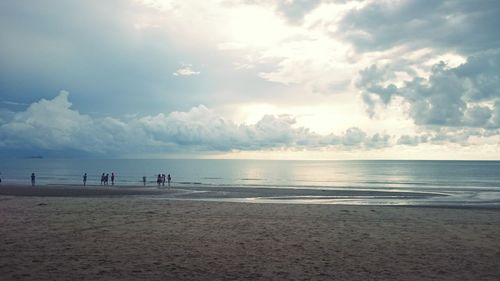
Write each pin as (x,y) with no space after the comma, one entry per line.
(436,176)
(389,174)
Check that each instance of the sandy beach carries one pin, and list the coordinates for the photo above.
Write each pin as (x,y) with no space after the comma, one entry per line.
(56,234)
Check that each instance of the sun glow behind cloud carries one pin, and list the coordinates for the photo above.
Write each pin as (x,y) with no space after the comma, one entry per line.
(382,67)
(254,27)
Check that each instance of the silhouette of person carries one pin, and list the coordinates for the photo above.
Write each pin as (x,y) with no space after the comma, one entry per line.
(85,179)
(106,179)
(144,180)
(158,180)
(32,179)
(102,178)
(169,178)
(163,179)
(112,178)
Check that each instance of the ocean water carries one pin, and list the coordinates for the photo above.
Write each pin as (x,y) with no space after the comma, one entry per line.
(472,179)
(365,174)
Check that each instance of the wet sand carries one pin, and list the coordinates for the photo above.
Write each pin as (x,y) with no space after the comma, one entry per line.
(198,192)
(133,236)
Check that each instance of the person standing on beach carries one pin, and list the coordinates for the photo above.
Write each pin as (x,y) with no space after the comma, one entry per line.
(112,178)
(144,180)
(169,178)
(32,179)
(85,179)
(158,180)
(106,179)
(102,179)
(163,179)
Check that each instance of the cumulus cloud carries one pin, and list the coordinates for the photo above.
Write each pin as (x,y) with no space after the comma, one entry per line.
(53,125)
(45,124)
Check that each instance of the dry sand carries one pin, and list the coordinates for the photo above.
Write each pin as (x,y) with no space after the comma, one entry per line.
(137,237)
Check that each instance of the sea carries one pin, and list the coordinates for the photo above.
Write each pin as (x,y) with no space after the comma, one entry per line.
(469,181)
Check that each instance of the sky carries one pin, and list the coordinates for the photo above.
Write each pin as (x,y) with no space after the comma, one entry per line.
(250,79)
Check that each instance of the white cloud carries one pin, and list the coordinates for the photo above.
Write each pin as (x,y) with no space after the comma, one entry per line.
(185,71)
(49,124)
(54,126)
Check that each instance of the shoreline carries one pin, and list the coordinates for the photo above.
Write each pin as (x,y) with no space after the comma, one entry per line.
(202,192)
(263,195)
(72,191)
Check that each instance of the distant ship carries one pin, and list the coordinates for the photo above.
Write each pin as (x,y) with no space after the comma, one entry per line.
(34,157)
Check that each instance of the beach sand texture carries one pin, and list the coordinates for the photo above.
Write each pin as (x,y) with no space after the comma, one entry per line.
(142,238)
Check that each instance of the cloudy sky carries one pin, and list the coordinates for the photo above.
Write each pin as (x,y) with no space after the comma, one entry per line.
(290,79)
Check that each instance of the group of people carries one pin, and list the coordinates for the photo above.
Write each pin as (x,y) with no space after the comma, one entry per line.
(104,179)
(160,180)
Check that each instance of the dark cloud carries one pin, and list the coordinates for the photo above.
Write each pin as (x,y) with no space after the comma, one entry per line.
(459,136)
(353,137)
(378,141)
(466,95)
(444,136)
(452,103)
(466,26)
(409,140)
